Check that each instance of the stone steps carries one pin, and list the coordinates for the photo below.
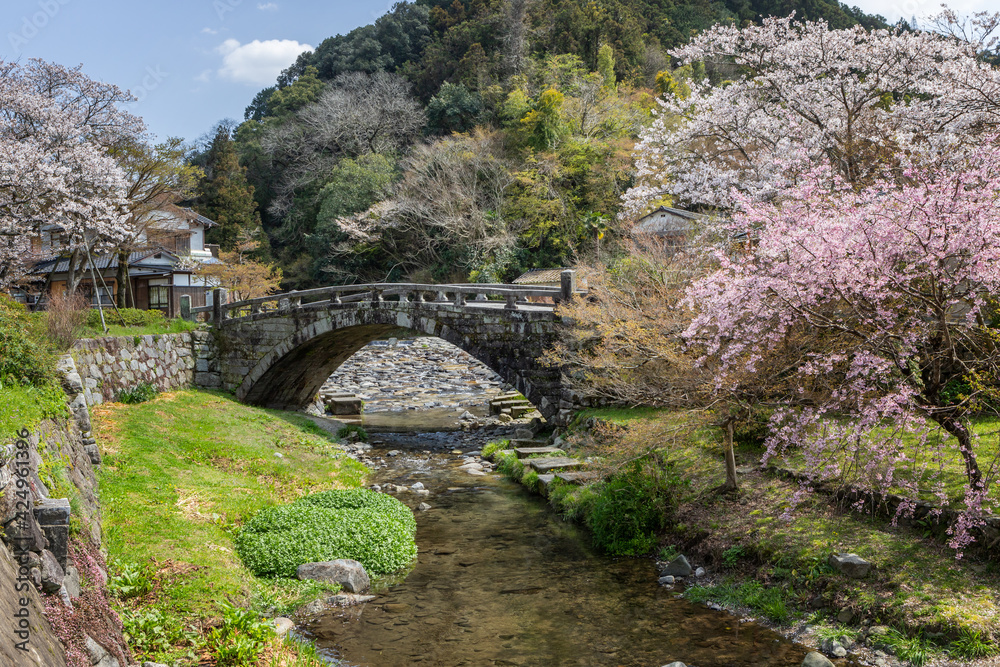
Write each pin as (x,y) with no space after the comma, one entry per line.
(544,465)
(578,477)
(525,452)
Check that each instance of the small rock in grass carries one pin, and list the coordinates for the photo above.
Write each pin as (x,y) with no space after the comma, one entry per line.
(279,455)
(816,659)
(423,507)
(845,616)
(852,565)
(833,647)
(153,664)
(700,572)
(282,626)
(679,567)
(348,573)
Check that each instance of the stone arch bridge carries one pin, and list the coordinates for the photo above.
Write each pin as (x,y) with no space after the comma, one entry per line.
(277,351)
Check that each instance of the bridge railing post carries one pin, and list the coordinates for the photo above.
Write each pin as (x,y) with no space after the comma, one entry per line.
(220,297)
(377,295)
(511,302)
(459,298)
(294,301)
(567,285)
(186,307)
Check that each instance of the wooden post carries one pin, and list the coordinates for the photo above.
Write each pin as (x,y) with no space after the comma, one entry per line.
(567,285)
(220,297)
(186,307)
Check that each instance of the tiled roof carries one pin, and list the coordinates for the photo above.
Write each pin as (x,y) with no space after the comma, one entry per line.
(101,263)
(539,276)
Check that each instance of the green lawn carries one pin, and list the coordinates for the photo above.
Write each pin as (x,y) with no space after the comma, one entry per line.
(181,473)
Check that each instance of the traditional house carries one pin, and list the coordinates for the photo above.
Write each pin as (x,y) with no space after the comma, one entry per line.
(159,268)
(671,226)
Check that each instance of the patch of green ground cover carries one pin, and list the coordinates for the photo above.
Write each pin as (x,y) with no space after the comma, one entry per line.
(24,406)
(617,415)
(182,472)
(173,326)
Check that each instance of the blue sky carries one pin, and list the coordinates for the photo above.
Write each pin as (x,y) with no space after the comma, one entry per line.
(195,62)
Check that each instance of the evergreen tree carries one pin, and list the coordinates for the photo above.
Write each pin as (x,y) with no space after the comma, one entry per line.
(225,196)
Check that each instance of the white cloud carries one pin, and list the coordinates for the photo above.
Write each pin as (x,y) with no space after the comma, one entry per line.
(267,6)
(204,77)
(257,62)
(209,31)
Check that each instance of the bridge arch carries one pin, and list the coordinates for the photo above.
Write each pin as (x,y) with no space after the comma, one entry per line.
(281,358)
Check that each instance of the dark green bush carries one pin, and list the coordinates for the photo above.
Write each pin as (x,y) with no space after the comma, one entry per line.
(140,393)
(129,317)
(627,512)
(24,360)
(372,528)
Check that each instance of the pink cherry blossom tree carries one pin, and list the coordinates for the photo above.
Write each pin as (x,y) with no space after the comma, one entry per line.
(57,129)
(894,285)
(865,102)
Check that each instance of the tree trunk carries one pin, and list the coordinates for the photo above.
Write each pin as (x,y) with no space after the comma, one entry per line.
(960,430)
(122,281)
(73,273)
(732,484)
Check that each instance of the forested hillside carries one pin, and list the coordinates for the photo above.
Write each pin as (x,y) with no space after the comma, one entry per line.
(458,141)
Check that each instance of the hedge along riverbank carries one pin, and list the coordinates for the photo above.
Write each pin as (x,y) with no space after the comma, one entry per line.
(372,528)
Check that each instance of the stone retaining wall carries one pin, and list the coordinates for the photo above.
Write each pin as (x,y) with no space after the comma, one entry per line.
(108,365)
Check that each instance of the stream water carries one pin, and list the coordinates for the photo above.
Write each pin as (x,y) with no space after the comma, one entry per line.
(501,580)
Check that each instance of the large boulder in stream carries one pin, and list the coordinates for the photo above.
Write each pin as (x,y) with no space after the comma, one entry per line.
(678,567)
(348,573)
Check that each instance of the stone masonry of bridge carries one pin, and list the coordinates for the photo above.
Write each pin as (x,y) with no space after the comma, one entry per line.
(281,357)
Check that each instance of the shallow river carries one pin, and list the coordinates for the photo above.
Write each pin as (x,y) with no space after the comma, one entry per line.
(501,580)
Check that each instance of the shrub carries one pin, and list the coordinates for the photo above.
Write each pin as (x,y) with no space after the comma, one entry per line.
(140,393)
(510,466)
(65,317)
(372,528)
(496,446)
(23,359)
(128,317)
(626,514)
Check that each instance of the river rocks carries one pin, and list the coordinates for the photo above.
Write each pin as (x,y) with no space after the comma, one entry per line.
(850,564)
(816,659)
(416,486)
(833,647)
(154,664)
(666,580)
(348,573)
(845,616)
(414,374)
(423,507)
(282,626)
(675,663)
(700,572)
(678,567)
(348,599)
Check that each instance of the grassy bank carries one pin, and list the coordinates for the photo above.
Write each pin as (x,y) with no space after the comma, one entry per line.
(767,551)
(180,474)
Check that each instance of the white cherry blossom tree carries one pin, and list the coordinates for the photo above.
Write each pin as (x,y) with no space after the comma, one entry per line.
(57,130)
